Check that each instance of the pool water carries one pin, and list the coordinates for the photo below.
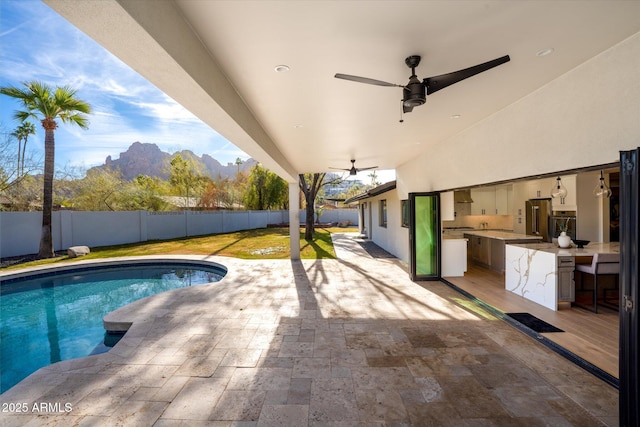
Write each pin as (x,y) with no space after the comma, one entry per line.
(50,318)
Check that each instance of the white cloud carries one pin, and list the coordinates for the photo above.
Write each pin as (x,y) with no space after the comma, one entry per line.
(40,45)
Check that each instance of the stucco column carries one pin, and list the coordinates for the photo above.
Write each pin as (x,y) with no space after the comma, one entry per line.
(294,220)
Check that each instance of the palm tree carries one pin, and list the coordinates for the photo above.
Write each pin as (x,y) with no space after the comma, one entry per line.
(47,104)
(22,133)
(238,163)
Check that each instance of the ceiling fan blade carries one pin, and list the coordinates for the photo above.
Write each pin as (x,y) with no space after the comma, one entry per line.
(365,80)
(436,83)
(340,169)
(366,169)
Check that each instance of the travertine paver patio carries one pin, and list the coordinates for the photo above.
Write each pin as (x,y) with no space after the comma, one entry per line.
(348,342)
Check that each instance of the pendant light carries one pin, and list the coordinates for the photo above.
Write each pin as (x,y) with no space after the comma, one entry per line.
(558,190)
(601,190)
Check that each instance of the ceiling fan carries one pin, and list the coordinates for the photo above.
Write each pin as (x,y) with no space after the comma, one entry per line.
(353,170)
(414,91)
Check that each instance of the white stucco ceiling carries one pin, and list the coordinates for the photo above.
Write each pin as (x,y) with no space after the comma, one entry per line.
(305,120)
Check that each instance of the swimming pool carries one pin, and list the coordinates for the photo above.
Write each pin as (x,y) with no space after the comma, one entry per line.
(49,317)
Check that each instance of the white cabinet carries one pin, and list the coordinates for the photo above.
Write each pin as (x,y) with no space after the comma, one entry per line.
(570,202)
(484,201)
(504,200)
(540,188)
(454,257)
(496,200)
(447,208)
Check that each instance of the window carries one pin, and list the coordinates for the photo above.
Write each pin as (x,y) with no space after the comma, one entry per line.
(383,213)
(404,207)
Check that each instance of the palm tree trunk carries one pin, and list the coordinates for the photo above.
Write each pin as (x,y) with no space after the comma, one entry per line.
(46,239)
(24,149)
(19,148)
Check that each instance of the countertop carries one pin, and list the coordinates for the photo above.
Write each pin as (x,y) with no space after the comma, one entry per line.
(589,250)
(502,235)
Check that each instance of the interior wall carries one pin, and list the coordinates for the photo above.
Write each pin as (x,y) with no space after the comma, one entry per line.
(590,220)
(583,118)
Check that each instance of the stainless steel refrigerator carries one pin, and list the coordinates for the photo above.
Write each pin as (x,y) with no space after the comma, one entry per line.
(539,218)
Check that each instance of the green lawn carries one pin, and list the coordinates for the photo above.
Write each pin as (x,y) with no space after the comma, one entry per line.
(265,243)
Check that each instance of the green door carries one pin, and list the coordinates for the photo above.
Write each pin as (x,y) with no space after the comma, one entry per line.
(424,235)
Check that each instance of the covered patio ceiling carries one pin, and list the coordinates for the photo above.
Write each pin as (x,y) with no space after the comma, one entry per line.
(218,59)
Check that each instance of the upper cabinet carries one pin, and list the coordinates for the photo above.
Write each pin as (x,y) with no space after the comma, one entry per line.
(496,200)
(504,199)
(447,208)
(539,188)
(484,201)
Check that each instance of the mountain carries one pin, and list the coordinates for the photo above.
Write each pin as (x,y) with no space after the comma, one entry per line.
(148,159)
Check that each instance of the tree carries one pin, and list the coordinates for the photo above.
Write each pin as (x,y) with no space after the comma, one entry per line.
(374,179)
(185,177)
(310,185)
(146,193)
(238,163)
(22,134)
(99,191)
(47,104)
(265,190)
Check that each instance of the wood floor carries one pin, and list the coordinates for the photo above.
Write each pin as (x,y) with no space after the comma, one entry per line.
(593,337)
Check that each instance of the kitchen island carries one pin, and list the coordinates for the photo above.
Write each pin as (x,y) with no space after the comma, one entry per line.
(487,247)
(543,272)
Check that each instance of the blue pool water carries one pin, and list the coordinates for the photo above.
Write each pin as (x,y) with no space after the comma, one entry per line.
(49,318)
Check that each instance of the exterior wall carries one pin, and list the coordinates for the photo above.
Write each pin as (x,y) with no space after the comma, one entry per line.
(20,231)
(583,118)
(393,238)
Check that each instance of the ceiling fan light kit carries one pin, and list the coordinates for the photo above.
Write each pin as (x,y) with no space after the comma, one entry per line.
(415,92)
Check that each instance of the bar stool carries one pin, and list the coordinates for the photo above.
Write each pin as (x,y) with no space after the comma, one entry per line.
(602,264)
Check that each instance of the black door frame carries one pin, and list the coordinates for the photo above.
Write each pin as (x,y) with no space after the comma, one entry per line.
(629,406)
(412,237)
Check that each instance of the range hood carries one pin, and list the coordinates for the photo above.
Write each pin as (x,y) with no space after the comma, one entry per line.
(462,196)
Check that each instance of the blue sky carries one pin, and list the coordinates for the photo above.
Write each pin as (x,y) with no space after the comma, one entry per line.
(38,44)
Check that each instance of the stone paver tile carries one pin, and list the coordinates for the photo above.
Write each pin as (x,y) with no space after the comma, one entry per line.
(104,401)
(170,389)
(333,400)
(348,358)
(236,405)
(284,416)
(136,413)
(246,358)
(199,366)
(195,400)
(236,338)
(393,378)
(276,397)
(381,406)
(163,422)
(296,349)
(260,379)
(299,391)
(311,367)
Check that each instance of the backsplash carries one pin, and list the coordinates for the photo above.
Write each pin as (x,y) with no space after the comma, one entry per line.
(494,222)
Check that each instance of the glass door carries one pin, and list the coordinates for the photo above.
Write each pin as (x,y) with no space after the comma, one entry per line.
(424,236)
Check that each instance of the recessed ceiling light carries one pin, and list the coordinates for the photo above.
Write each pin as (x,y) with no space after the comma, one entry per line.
(281,68)
(544,52)
(455,116)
